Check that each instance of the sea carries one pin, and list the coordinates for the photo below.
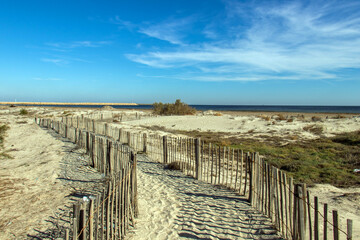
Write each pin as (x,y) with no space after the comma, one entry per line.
(246,108)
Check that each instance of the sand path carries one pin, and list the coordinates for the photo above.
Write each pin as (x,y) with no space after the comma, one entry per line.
(41,181)
(175,206)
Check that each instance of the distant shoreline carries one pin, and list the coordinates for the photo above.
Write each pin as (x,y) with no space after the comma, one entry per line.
(218,108)
(63,103)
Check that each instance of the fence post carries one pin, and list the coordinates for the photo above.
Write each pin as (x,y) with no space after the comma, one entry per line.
(129,139)
(165,149)
(251,180)
(91,220)
(197,158)
(301,212)
(76,209)
(134,184)
(316,218)
(336,225)
(145,142)
(296,213)
(82,223)
(349,229)
(325,220)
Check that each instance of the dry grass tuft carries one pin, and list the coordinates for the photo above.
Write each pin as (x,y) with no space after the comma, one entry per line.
(225,142)
(265,117)
(315,129)
(316,119)
(339,117)
(217,114)
(281,117)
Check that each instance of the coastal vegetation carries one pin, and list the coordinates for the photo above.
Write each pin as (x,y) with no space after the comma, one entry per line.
(23,111)
(177,108)
(323,160)
(3,129)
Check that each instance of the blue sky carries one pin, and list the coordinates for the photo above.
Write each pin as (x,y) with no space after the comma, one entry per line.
(203,52)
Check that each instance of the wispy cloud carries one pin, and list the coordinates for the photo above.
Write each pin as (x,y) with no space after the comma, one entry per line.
(78,44)
(123,24)
(62,53)
(47,79)
(56,61)
(172,30)
(292,41)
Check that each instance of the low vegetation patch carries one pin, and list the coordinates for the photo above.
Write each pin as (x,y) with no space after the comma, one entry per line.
(23,111)
(325,160)
(281,117)
(3,129)
(315,129)
(177,108)
(316,119)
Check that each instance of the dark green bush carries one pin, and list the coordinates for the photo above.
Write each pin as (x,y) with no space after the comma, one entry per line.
(24,111)
(177,108)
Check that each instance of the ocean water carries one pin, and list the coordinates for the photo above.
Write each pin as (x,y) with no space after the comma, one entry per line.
(254,108)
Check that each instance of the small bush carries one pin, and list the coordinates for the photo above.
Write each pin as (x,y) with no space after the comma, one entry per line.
(315,129)
(290,120)
(177,108)
(265,117)
(316,119)
(281,117)
(173,166)
(340,116)
(24,111)
(218,114)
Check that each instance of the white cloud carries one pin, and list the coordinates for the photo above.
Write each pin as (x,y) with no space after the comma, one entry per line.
(289,41)
(171,31)
(56,61)
(78,44)
(122,23)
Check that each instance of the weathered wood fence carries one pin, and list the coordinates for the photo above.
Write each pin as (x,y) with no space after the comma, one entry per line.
(288,204)
(110,214)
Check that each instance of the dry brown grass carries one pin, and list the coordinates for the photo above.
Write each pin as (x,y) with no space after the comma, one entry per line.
(265,117)
(218,114)
(315,129)
(316,119)
(281,117)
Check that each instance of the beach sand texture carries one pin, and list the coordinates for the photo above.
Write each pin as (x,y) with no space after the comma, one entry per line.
(171,205)
(175,206)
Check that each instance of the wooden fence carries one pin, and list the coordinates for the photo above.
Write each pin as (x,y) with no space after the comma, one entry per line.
(110,214)
(290,207)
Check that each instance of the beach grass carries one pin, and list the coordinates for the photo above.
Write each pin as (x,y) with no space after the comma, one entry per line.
(324,160)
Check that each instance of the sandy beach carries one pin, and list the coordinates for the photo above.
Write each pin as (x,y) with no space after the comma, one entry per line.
(33,192)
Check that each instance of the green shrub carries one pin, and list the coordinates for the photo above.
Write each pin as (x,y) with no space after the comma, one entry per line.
(177,108)
(24,111)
